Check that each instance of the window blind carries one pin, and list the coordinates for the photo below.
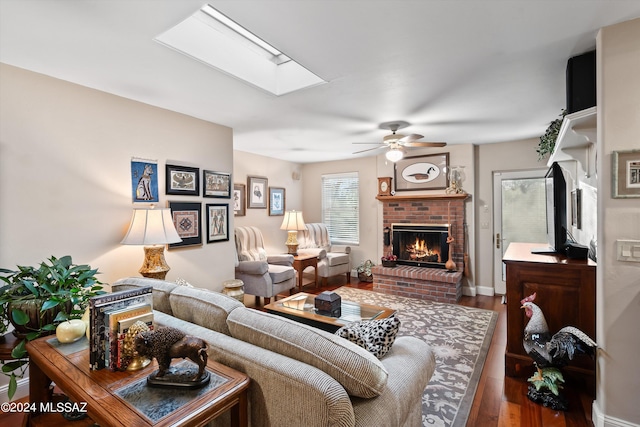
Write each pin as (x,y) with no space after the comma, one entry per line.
(340,207)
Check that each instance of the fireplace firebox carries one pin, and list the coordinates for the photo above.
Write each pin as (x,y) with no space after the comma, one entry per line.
(421,245)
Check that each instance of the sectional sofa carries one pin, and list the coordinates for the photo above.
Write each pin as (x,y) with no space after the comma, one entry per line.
(300,376)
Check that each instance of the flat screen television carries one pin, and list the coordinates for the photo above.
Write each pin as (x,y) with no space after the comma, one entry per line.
(556,209)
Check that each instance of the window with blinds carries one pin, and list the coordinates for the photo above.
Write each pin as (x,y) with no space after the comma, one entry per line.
(340,207)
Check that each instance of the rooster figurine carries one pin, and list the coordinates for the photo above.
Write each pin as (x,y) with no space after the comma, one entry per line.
(550,353)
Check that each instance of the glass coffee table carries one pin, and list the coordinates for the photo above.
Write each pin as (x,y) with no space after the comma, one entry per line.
(301,308)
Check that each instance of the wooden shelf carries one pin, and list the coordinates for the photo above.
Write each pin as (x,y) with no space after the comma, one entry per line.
(576,138)
(422,197)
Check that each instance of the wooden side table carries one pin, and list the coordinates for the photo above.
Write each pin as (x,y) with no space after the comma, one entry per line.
(101,392)
(300,262)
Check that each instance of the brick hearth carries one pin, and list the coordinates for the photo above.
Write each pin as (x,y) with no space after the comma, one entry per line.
(419,282)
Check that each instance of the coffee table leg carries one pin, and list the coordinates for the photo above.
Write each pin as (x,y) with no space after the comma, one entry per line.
(39,386)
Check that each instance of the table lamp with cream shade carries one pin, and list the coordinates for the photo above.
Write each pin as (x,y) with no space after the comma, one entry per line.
(292,222)
(153,228)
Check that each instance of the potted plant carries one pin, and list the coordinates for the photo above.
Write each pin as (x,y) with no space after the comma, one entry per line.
(35,300)
(548,140)
(364,271)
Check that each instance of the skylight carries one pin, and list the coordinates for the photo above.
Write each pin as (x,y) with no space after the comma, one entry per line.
(216,40)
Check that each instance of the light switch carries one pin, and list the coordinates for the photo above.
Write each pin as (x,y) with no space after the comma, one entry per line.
(628,250)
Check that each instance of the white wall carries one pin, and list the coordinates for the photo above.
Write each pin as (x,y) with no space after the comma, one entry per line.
(279,173)
(618,283)
(65,153)
(490,158)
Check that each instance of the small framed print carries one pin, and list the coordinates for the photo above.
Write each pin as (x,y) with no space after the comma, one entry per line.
(276,201)
(626,174)
(257,192)
(144,180)
(186,218)
(182,180)
(576,215)
(239,200)
(216,184)
(217,223)
(422,172)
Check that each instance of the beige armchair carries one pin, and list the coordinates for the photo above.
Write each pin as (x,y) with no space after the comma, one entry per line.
(332,259)
(263,275)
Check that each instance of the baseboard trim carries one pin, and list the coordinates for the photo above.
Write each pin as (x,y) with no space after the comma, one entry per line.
(485,290)
(22,390)
(603,420)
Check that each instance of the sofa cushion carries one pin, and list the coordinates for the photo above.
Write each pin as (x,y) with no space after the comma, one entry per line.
(161,290)
(203,307)
(281,273)
(375,336)
(359,372)
(249,244)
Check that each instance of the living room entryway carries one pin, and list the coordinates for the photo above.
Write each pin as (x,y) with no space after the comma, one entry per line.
(519,215)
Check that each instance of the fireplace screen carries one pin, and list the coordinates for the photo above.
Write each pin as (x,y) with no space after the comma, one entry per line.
(420,245)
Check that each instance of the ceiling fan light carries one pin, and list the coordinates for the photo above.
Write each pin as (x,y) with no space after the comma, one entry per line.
(394,154)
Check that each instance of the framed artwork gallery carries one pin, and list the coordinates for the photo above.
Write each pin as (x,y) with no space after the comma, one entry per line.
(239,199)
(216,184)
(276,201)
(429,172)
(217,222)
(186,218)
(257,192)
(182,180)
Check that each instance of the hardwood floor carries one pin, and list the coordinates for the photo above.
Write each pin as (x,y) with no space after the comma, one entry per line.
(499,400)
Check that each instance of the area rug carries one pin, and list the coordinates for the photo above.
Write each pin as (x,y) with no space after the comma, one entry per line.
(460,337)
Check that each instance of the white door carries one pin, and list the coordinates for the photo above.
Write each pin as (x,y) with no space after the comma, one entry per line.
(519,215)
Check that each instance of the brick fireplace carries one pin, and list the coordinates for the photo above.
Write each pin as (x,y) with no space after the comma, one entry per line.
(435,284)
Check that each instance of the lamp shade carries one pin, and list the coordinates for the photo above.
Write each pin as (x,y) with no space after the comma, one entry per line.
(293,221)
(151,227)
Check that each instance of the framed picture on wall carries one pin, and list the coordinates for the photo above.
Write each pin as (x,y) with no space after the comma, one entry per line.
(186,218)
(257,192)
(422,172)
(217,222)
(144,181)
(626,174)
(276,201)
(239,199)
(182,180)
(216,184)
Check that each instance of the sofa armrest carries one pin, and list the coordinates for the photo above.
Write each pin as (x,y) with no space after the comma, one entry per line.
(280,259)
(340,248)
(253,267)
(320,253)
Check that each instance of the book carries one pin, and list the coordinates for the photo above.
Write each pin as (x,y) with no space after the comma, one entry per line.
(123,329)
(98,306)
(112,318)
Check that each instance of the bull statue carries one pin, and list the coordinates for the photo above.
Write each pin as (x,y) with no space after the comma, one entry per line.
(166,343)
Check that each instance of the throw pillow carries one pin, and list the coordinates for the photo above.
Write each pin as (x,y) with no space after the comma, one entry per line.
(375,336)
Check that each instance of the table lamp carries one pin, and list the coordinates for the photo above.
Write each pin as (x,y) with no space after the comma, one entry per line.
(153,228)
(292,222)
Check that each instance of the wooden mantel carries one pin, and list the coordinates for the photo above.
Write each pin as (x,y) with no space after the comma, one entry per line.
(422,197)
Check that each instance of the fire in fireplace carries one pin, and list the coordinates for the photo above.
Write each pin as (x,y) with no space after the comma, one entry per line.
(420,245)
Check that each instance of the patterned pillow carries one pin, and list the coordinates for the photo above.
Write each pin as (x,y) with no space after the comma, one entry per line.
(375,336)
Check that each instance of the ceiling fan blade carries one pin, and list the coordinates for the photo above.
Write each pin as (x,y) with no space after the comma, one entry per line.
(424,144)
(368,149)
(370,143)
(410,138)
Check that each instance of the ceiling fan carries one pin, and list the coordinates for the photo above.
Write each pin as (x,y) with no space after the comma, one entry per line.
(397,142)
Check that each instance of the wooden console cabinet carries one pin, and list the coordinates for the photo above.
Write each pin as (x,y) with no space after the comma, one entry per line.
(566,293)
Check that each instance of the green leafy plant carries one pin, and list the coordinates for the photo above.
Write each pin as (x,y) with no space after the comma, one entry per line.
(548,379)
(365,268)
(59,289)
(548,140)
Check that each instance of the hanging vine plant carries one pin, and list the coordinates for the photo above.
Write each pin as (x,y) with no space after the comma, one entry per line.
(548,140)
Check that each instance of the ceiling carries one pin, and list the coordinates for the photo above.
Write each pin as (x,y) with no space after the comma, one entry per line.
(460,71)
